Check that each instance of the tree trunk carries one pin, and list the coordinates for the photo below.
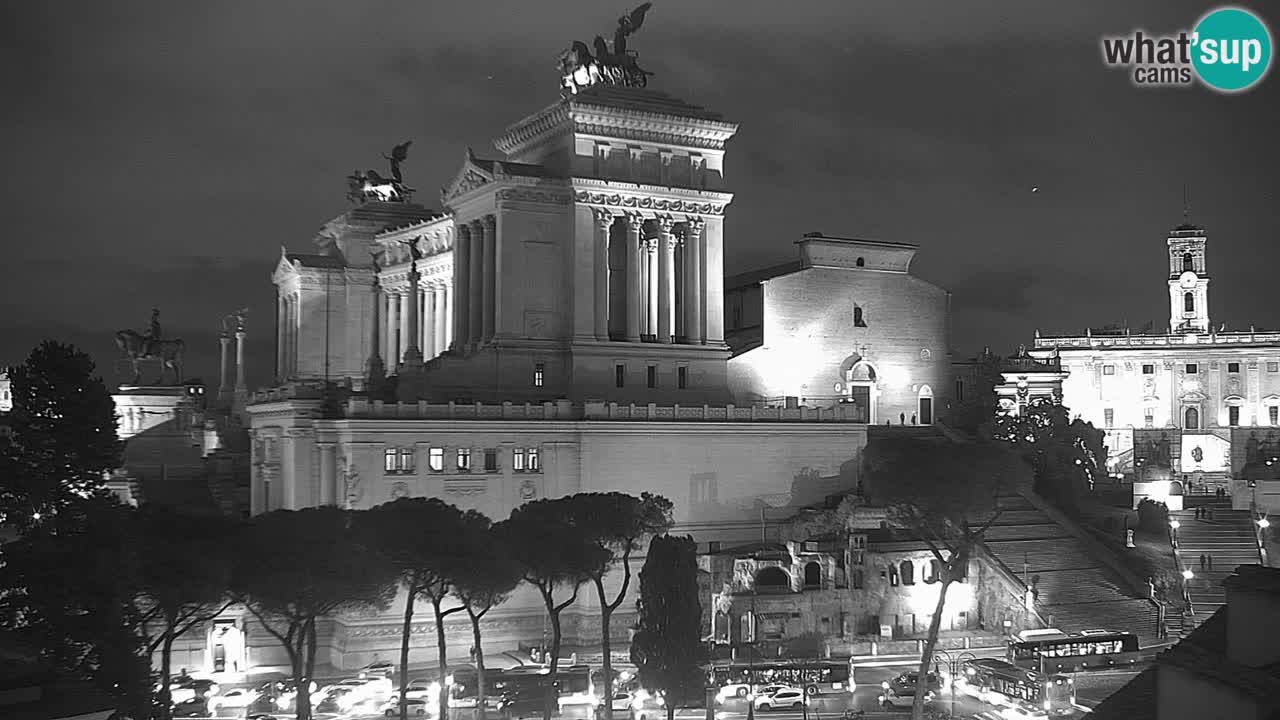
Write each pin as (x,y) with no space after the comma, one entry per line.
(443,654)
(606,649)
(166,689)
(552,692)
(671,709)
(404,650)
(301,682)
(926,657)
(480,686)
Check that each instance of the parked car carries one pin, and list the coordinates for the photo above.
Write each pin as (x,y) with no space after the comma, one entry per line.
(415,706)
(378,668)
(892,698)
(782,698)
(191,707)
(620,702)
(234,698)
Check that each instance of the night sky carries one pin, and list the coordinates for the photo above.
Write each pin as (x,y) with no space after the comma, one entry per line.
(161,153)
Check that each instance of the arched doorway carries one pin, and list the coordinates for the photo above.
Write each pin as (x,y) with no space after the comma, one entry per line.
(924,401)
(1191,419)
(772,577)
(812,575)
(860,383)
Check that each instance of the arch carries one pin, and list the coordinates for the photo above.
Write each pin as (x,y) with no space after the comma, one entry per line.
(860,262)
(924,405)
(1233,401)
(772,577)
(908,572)
(1191,417)
(812,574)
(1188,262)
(862,371)
(858,320)
(1188,302)
(1175,487)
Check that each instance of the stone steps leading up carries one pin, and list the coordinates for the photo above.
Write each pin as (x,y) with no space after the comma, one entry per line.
(1229,538)
(1041,531)
(1076,586)
(1042,555)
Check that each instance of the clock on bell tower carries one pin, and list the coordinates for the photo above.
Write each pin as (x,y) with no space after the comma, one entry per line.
(1188,281)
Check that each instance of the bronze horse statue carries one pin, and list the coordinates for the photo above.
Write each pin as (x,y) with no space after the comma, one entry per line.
(139,347)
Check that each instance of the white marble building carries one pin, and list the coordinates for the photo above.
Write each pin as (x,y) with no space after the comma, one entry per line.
(1198,404)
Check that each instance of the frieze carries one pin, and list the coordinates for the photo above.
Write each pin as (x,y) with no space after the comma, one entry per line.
(300,432)
(650,133)
(535,196)
(648,203)
(465,486)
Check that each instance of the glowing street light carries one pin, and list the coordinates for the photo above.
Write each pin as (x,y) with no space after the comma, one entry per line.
(1187,574)
(1175,524)
(1264,523)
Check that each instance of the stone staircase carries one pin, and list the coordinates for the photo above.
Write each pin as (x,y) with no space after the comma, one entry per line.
(1230,538)
(1076,591)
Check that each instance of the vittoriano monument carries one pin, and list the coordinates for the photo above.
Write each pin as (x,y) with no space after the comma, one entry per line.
(369,185)
(152,345)
(580,69)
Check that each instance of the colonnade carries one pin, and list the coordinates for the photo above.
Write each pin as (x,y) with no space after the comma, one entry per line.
(287,335)
(653,287)
(475,265)
(431,329)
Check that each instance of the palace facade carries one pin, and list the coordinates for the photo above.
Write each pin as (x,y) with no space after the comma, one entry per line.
(1196,408)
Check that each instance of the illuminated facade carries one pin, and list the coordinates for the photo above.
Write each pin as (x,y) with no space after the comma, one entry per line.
(1198,405)
(846,323)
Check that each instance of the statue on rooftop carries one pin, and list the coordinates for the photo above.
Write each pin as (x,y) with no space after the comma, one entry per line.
(151,345)
(579,68)
(398,155)
(370,185)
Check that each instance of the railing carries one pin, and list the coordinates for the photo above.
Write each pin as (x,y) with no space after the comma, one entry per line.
(1046,342)
(564,410)
(1017,582)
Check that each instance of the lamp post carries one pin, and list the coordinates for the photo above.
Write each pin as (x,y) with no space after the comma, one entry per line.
(1262,524)
(1173,532)
(953,669)
(751,660)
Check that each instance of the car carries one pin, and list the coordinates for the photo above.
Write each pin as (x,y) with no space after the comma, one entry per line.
(768,690)
(415,706)
(234,698)
(620,702)
(421,688)
(782,698)
(378,668)
(891,698)
(191,707)
(192,688)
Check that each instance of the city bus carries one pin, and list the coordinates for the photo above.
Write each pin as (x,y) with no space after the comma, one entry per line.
(1057,651)
(1001,683)
(737,679)
(524,685)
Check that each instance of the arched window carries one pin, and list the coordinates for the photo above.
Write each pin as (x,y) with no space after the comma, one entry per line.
(934,573)
(857,317)
(1189,302)
(1193,419)
(908,572)
(813,575)
(1188,262)
(772,577)
(861,262)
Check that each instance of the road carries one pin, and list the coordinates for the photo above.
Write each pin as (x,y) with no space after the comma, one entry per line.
(1091,688)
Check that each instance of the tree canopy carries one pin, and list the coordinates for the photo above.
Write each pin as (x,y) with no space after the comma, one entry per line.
(667,649)
(1068,456)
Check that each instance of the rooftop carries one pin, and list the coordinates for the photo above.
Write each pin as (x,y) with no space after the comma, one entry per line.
(317,261)
(641,100)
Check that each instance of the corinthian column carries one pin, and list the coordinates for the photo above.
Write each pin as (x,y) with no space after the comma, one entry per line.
(634,292)
(475,306)
(412,351)
(651,287)
(439,318)
(604,221)
(489,295)
(694,298)
(393,329)
(666,279)
(225,341)
(282,322)
(461,285)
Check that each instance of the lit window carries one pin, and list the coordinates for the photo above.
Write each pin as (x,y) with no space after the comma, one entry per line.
(1273,414)
(517,460)
(620,375)
(1192,368)
(1108,369)
(491,460)
(1233,367)
(538,371)
(1109,417)
(406,464)
(464,459)
(535,465)
(389,460)
(651,376)
(682,377)
(435,459)
(1148,369)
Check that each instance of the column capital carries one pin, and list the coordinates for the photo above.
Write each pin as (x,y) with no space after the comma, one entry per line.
(463,231)
(694,224)
(665,224)
(490,222)
(604,218)
(634,221)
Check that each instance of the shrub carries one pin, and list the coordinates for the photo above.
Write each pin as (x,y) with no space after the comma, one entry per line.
(1153,516)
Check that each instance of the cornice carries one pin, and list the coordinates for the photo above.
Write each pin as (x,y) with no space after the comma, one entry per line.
(547,196)
(656,198)
(662,128)
(533,128)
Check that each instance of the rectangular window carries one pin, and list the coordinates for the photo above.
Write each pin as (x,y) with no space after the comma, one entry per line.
(1233,367)
(534,463)
(1148,369)
(517,460)
(1273,414)
(1108,369)
(682,377)
(1109,417)
(491,460)
(959,390)
(1273,367)
(464,459)
(1149,417)
(1192,368)
(389,460)
(538,372)
(406,464)
(1233,415)
(651,376)
(435,459)
(620,375)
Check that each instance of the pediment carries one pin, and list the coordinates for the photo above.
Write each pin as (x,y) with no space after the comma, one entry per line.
(470,176)
(1192,396)
(284,267)
(1272,399)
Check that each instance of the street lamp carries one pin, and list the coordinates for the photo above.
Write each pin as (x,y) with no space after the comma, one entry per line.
(751,659)
(953,667)
(1173,527)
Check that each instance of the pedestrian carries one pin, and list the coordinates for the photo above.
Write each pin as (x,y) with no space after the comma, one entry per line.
(1203,558)
(913,418)
(1210,513)
(1210,562)
(902,418)
(1197,513)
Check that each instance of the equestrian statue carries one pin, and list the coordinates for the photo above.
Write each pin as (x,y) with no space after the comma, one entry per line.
(370,185)
(580,68)
(152,345)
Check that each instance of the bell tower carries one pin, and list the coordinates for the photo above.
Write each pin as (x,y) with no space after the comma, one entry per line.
(1188,281)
